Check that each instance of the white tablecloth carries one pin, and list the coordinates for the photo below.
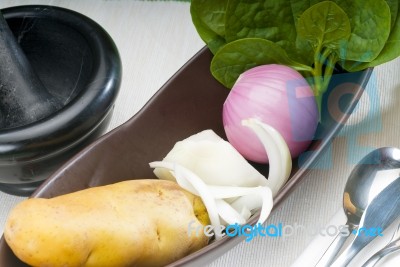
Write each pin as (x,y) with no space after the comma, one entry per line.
(156,38)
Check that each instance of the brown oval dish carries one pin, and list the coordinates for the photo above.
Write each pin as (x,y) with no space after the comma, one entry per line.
(189,102)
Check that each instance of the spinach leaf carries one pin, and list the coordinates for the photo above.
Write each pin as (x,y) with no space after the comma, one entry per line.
(299,6)
(270,20)
(211,13)
(308,35)
(324,25)
(394,7)
(370,28)
(390,51)
(306,53)
(240,55)
(208,17)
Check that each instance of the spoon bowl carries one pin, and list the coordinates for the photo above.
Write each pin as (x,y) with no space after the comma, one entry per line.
(383,211)
(371,175)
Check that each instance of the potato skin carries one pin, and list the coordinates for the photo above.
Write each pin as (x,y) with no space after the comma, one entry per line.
(130,223)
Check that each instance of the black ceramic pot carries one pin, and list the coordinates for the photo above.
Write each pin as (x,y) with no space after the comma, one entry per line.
(79,64)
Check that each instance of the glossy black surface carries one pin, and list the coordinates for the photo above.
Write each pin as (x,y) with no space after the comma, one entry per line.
(78,63)
(23,97)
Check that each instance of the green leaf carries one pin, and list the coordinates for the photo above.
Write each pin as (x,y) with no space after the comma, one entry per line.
(299,6)
(271,20)
(324,25)
(208,17)
(390,51)
(370,26)
(305,53)
(394,8)
(238,56)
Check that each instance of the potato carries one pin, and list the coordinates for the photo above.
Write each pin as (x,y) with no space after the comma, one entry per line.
(130,223)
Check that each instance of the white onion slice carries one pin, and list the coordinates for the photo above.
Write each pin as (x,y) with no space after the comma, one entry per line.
(228,200)
(250,198)
(262,196)
(245,212)
(250,202)
(213,196)
(229,214)
(280,161)
(213,159)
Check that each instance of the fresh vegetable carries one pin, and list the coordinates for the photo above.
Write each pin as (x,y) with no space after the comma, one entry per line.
(231,189)
(279,97)
(203,181)
(280,161)
(309,36)
(209,18)
(131,223)
(212,158)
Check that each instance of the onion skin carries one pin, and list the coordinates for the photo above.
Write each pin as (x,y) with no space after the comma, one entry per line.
(278,96)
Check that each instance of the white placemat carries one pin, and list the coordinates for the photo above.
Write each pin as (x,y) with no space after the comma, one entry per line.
(156,38)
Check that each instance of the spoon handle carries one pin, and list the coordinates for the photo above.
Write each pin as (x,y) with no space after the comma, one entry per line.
(333,250)
(377,257)
(393,246)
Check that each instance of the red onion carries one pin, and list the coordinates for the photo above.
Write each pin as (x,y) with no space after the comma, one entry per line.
(278,96)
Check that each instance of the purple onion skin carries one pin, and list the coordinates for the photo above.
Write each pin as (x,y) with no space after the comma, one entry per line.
(278,96)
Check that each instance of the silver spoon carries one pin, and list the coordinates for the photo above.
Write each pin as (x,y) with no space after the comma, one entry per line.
(391,247)
(369,177)
(381,212)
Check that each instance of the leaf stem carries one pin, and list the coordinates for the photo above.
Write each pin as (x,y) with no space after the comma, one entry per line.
(329,67)
(318,79)
(324,64)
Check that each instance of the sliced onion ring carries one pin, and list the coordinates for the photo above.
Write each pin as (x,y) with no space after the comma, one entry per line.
(213,196)
(280,161)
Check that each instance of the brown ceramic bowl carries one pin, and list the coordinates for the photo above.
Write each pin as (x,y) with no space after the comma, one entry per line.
(189,102)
